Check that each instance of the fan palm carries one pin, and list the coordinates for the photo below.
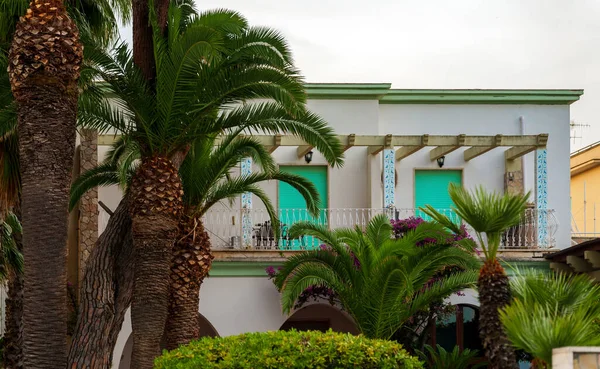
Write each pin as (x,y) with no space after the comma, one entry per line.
(381,282)
(550,311)
(489,215)
(439,358)
(210,73)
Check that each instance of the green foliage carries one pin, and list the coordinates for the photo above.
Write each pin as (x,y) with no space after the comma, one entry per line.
(439,358)
(215,75)
(11,259)
(486,212)
(550,311)
(381,282)
(290,350)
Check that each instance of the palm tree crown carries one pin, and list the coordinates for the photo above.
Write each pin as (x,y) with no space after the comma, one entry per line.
(380,281)
(550,311)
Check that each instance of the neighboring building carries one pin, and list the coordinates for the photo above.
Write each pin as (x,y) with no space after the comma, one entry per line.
(585,192)
(404,147)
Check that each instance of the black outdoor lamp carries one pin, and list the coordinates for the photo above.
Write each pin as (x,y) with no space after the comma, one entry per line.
(440,161)
(308,157)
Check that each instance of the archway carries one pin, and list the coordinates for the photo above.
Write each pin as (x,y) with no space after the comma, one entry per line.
(206,330)
(320,317)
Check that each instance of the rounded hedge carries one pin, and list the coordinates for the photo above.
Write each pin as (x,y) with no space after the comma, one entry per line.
(290,349)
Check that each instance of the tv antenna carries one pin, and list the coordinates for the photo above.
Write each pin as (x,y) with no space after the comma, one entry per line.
(577,131)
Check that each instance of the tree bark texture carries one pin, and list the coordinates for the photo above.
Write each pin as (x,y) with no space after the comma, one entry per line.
(143,44)
(44,66)
(105,294)
(494,294)
(47,144)
(155,208)
(190,264)
(13,334)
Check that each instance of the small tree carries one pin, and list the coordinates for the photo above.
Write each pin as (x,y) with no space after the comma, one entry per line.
(489,214)
(380,281)
(550,311)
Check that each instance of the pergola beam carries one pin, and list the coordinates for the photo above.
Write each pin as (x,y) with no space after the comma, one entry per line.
(351,142)
(518,151)
(473,152)
(301,151)
(396,141)
(387,143)
(440,151)
(405,151)
(271,147)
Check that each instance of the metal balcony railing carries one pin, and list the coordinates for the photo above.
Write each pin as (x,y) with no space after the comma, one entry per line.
(224,227)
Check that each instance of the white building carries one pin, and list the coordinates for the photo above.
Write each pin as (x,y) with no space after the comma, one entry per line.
(504,140)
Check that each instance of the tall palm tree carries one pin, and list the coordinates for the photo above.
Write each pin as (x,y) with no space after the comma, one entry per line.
(489,214)
(200,70)
(381,282)
(44,66)
(98,23)
(550,311)
(206,181)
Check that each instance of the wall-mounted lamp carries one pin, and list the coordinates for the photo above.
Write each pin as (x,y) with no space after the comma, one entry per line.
(440,161)
(511,176)
(308,157)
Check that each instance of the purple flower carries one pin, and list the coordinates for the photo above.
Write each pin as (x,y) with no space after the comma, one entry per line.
(271,271)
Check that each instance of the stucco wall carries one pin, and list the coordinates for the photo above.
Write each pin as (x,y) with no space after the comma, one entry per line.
(591,179)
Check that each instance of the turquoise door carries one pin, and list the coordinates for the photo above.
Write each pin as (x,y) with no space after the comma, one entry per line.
(431,188)
(292,207)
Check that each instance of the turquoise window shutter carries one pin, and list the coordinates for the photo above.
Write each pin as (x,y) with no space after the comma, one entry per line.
(292,207)
(431,188)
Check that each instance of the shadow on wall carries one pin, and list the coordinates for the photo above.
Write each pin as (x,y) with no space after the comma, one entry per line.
(320,317)
(206,330)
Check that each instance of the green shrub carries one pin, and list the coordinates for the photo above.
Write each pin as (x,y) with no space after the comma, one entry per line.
(290,349)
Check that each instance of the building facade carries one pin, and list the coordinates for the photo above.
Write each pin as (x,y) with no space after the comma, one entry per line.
(403,149)
(585,192)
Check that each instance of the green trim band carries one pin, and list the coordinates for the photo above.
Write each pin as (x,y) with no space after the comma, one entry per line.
(257,268)
(241,268)
(383,93)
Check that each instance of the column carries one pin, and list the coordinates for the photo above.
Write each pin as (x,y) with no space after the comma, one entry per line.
(88,206)
(246,170)
(389,180)
(541,193)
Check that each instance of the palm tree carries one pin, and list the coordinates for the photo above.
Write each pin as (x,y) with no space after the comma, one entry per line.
(98,23)
(44,66)
(489,214)
(200,70)
(206,181)
(381,282)
(550,311)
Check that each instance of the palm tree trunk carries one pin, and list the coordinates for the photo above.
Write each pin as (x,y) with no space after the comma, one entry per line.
(494,294)
(143,44)
(156,205)
(191,261)
(105,294)
(45,59)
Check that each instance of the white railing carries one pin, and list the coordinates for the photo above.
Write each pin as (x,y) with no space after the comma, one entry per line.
(224,227)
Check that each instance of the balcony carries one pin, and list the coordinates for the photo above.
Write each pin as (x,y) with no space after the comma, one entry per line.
(224,226)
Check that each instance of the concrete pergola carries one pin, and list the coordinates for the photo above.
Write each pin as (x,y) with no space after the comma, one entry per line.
(398,147)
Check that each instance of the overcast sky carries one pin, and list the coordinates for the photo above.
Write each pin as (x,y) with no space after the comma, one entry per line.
(509,44)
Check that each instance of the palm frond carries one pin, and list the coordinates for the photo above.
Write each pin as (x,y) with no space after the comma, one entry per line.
(103,175)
